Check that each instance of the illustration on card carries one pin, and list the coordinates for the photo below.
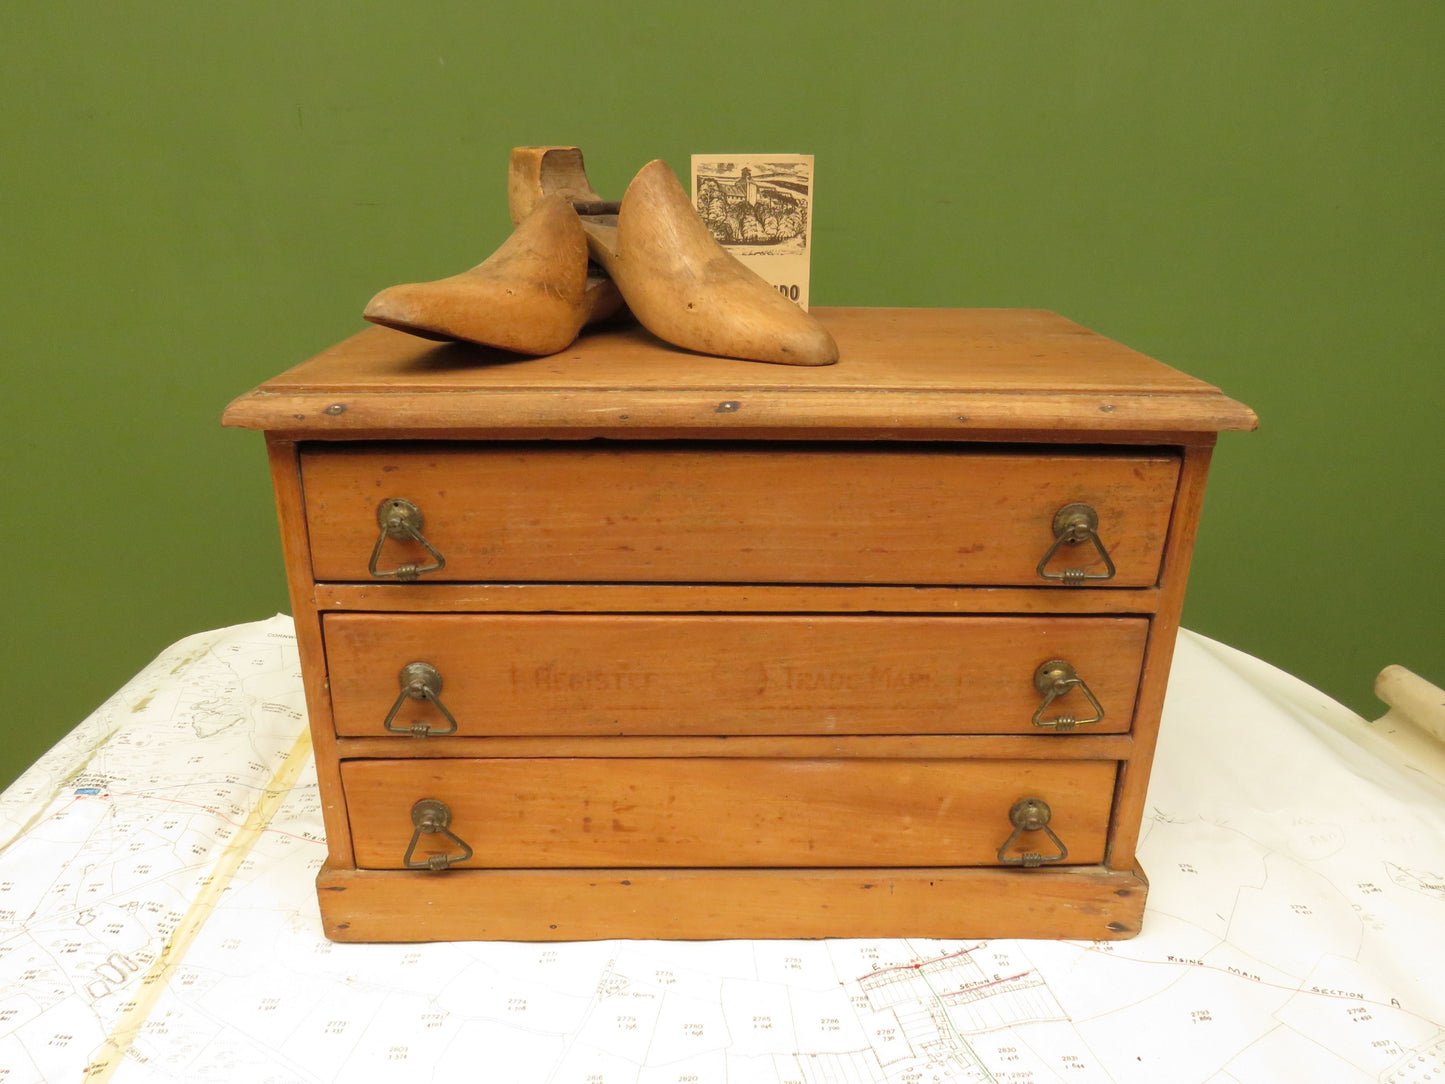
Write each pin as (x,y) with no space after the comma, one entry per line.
(760,208)
(747,209)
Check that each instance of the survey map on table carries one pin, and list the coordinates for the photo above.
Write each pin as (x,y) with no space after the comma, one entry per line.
(158,923)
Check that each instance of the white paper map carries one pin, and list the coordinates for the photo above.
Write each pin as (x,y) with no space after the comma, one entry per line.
(158,923)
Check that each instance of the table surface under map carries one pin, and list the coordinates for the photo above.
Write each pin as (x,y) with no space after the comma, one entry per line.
(158,923)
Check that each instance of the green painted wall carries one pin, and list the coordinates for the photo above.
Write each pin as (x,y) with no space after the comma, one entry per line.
(193,196)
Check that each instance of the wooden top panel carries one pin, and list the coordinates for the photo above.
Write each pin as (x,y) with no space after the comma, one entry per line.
(950,371)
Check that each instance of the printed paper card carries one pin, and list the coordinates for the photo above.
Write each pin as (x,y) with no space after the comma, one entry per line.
(760,209)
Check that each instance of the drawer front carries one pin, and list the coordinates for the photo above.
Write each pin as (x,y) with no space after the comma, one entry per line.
(730,513)
(706,812)
(705,674)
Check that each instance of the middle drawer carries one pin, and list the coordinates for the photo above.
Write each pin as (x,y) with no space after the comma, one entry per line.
(715,674)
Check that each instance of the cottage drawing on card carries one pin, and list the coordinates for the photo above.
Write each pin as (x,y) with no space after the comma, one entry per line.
(760,208)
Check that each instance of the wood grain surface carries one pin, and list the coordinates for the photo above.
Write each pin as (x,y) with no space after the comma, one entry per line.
(748,513)
(1077,902)
(644,812)
(682,674)
(954,371)
(420,595)
(1080,745)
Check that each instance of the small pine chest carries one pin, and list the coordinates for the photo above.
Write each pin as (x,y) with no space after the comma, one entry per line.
(631,642)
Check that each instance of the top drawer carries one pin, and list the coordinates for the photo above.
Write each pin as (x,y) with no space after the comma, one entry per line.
(726,512)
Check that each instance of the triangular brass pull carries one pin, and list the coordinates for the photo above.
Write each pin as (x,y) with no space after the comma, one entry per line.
(1075,523)
(1031,815)
(432,817)
(401,520)
(1054,679)
(419,681)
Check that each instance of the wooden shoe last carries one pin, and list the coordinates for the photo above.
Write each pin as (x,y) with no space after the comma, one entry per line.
(678,281)
(531,296)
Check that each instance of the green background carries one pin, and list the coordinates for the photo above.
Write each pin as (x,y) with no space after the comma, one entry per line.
(194,196)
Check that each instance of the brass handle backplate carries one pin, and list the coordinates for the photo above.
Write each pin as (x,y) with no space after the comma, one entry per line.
(419,681)
(432,817)
(1053,679)
(1031,815)
(1075,523)
(401,520)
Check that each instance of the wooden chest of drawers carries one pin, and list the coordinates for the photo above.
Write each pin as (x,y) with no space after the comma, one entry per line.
(629,642)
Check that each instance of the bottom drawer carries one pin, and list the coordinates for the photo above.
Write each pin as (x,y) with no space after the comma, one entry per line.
(718,812)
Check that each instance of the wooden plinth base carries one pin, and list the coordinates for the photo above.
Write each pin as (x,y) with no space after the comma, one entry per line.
(1076,903)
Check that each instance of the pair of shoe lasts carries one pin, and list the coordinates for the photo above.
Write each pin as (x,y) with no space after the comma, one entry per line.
(534,295)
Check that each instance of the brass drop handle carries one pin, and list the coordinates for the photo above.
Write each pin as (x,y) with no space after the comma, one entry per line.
(1075,523)
(419,681)
(401,520)
(431,817)
(1031,815)
(1053,679)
